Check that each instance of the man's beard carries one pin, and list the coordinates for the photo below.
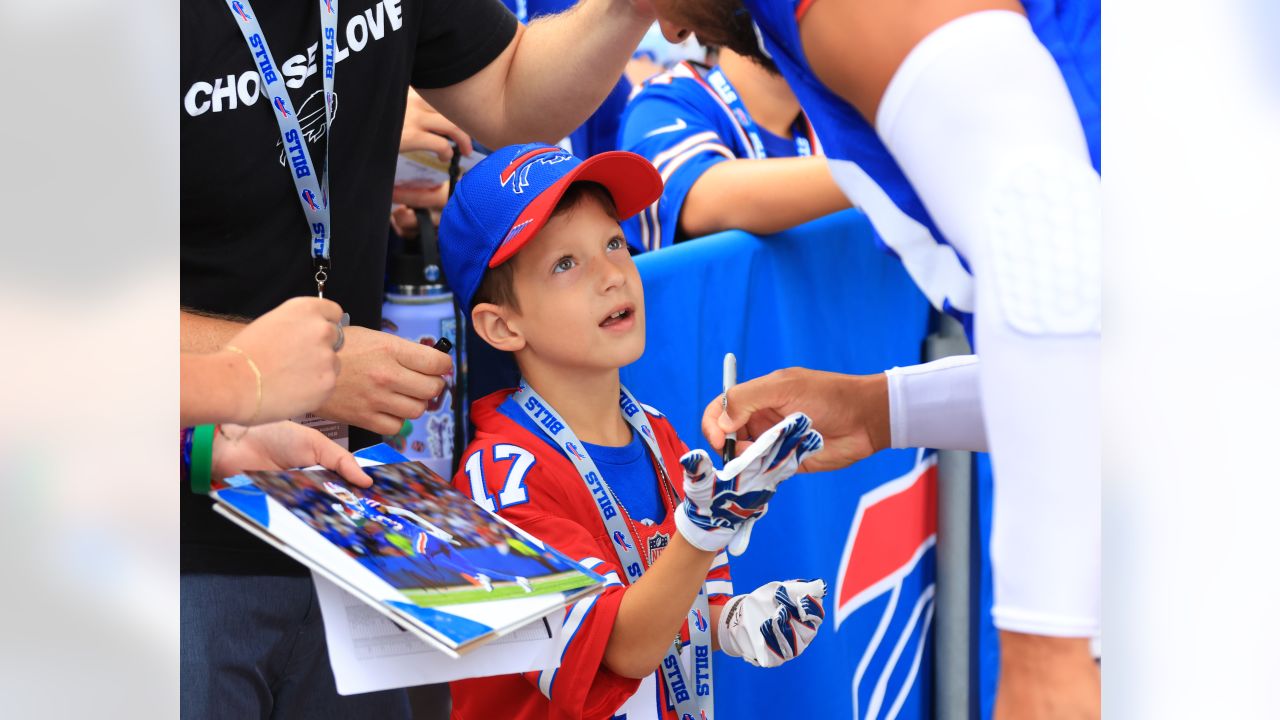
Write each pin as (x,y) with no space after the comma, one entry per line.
(733,28)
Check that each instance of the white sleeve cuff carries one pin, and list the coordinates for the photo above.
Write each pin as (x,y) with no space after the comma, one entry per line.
(937,405)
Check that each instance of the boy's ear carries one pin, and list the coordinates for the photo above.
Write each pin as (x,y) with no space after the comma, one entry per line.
(492,324)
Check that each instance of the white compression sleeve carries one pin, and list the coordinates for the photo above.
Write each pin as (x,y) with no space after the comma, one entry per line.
(937,405)
(983,125)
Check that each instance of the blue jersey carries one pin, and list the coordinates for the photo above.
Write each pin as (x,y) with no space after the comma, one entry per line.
(600,132)
(867,172)
(684,121)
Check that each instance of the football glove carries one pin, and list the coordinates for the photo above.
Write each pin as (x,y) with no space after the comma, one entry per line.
(720,506)
(774,623)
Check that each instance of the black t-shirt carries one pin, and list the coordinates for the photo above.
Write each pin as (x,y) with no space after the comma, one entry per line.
(245,241)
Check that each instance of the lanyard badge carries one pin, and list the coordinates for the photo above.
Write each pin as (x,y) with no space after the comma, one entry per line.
(312,192)
(687,673)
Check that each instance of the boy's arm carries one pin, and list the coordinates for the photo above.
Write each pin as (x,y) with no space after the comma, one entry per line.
(760,196)
(653,609)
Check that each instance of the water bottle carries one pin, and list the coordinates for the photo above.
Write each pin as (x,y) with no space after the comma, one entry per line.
(419,308)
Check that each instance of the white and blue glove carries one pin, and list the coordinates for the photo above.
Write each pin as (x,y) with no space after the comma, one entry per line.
(773,624)
(720,506)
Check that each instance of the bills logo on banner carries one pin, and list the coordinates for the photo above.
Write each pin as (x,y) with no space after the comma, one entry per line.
(279,103)
(239,10)
(699,621)
(621,539)
(310,199)
(574,451)
(878,587)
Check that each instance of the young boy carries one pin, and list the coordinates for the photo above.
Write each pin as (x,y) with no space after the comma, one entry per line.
(531,244)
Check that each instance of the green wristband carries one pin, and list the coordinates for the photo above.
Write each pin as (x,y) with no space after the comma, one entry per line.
(201,459)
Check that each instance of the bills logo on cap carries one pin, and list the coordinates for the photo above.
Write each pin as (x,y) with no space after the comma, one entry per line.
(520,167)
(699,621)
(279,103)
(621,539)
(238,9)
(310,199)
(574,451)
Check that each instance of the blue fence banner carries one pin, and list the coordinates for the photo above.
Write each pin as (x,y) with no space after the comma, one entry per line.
(824,296)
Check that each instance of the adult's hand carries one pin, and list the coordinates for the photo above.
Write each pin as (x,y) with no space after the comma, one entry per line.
(281,446)
(292,346)
(426,129)
(851,412)
(385,380)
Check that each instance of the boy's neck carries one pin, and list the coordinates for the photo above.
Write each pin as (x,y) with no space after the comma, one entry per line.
(768,98)
(588,402)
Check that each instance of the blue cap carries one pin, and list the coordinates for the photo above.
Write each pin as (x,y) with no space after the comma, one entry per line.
(502,202)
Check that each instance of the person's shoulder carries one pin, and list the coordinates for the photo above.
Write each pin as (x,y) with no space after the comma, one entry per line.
(679,84)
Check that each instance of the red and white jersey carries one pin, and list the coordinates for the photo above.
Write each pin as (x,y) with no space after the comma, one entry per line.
(530,483)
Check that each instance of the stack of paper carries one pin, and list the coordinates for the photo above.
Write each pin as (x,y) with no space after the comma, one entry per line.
(412,561)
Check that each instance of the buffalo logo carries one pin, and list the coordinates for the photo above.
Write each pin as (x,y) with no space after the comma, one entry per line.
(279,103)
(328,5)
(699,621)
(657,543)
(734,508)
(886,581)
(238,9)
(647,432)
(621,539)
(574,451)
(310,199)
(520,167)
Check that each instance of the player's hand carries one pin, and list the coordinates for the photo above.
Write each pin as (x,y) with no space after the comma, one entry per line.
(774,623)
(426,129)
(720,506)
(851,412)
(292,347)
(282,446)
(385,380)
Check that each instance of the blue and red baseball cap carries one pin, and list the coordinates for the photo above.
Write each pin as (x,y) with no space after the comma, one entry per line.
(502,202)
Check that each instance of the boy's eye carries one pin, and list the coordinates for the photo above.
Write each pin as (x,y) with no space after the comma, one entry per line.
(563,264)
(615,243)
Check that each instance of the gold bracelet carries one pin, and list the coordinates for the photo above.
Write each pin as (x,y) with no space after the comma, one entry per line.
(257,408)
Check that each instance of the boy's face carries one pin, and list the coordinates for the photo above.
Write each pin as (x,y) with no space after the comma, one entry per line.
(581,301)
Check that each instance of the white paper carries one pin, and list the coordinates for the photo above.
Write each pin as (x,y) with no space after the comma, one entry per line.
(368,652)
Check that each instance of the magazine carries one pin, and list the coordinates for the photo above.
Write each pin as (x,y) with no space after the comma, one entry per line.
(411,547)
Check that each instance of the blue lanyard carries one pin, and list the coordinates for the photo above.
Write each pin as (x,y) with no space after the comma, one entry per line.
(313,195)
(695,699)
(722,90)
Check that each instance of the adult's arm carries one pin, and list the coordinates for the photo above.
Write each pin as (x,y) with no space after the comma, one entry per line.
(760,196)
(855,46)
(937,405)
(523,95)
(383,380)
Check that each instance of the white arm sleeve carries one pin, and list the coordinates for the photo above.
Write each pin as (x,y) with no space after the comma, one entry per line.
(937,405)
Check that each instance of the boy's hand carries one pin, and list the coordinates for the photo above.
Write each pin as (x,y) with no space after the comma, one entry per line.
(721,506)
(773,624)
